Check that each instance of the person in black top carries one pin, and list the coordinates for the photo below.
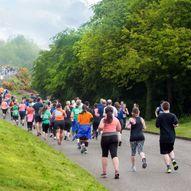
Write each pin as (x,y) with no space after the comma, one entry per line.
(167,122)
(137,138)
(38,120)
(68,123)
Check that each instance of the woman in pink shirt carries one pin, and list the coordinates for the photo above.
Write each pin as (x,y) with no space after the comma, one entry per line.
(110,126)
(22,112)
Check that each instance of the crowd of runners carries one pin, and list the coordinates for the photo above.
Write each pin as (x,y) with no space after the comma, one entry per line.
(77,121)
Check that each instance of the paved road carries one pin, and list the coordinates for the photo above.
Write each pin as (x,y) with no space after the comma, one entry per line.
(152,178)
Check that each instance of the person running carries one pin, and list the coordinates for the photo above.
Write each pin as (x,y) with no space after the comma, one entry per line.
(38,119)
(68,123)
(96,121)
(109,104)
(15,113)
(137,138)
(12,103)
(45,115)
(22,111)
(52,126)
(159,109)
(30,117)
(167,122)
(84,129)
(59,116)
(74,116)
(4,107)
(110,126)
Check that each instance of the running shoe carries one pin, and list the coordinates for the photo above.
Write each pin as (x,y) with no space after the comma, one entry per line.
(175,165)
(168,170)
(85,151)
(133,169)
(103,175)
(144,165)
(116,175)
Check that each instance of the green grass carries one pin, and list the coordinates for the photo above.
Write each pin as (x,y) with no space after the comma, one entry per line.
(27,163)
(183,130)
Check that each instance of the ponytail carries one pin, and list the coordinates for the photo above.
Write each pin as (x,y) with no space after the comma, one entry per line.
(109,115)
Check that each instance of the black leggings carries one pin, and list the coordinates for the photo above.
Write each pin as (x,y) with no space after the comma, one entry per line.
(109,144)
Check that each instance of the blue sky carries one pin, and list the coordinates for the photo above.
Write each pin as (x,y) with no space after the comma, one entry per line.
(42,19)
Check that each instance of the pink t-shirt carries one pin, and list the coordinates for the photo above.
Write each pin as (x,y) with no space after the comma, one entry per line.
(114,126)
(22,107)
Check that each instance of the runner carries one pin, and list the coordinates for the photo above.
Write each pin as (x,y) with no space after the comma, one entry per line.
(15,113)
(109,104)
(45,115)
(74,116)
(159,109)
(30,117)
(68,122)
(4,107)
(137,138)
(110,126)
(96,121)
(38,119)
(59,116)
(22,111)
(52,126)
(84,129)
(167,122)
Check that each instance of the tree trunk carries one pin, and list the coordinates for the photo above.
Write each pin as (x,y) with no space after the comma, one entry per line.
(148,114)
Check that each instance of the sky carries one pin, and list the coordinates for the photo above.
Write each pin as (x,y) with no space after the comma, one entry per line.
(39,20)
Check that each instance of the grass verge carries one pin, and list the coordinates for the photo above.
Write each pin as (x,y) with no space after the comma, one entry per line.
(183,130)
(27,163)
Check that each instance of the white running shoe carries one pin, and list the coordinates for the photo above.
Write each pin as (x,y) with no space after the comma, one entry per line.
(133,169)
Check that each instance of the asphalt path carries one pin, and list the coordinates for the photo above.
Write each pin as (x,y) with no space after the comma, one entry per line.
(153,178)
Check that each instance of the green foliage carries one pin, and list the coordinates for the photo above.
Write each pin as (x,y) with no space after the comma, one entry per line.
(27,163)
(127,47)
(18,52)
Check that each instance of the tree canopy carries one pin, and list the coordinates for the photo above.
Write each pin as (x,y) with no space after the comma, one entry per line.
(135,50)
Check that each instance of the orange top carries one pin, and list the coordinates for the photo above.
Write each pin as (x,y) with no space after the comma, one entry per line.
(59,114)
(4,105)
(85,118)
(30,110)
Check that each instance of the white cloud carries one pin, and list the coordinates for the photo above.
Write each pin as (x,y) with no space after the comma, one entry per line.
(42,19)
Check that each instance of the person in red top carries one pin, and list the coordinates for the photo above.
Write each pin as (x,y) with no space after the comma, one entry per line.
(59,115)
(110,126)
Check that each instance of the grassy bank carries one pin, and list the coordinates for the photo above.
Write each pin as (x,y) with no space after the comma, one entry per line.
(26,163)
(183,130)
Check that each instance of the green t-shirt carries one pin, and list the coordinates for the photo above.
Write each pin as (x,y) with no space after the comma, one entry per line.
(76,111)
(46,117)
(15,111)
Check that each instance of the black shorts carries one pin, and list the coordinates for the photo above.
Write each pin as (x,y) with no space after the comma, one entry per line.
(4,111)
(45,127)
(22,114)
(95,125)
(109,144)
(67,125)
(59,124)
(166,148)
(38,119)
(15,117)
